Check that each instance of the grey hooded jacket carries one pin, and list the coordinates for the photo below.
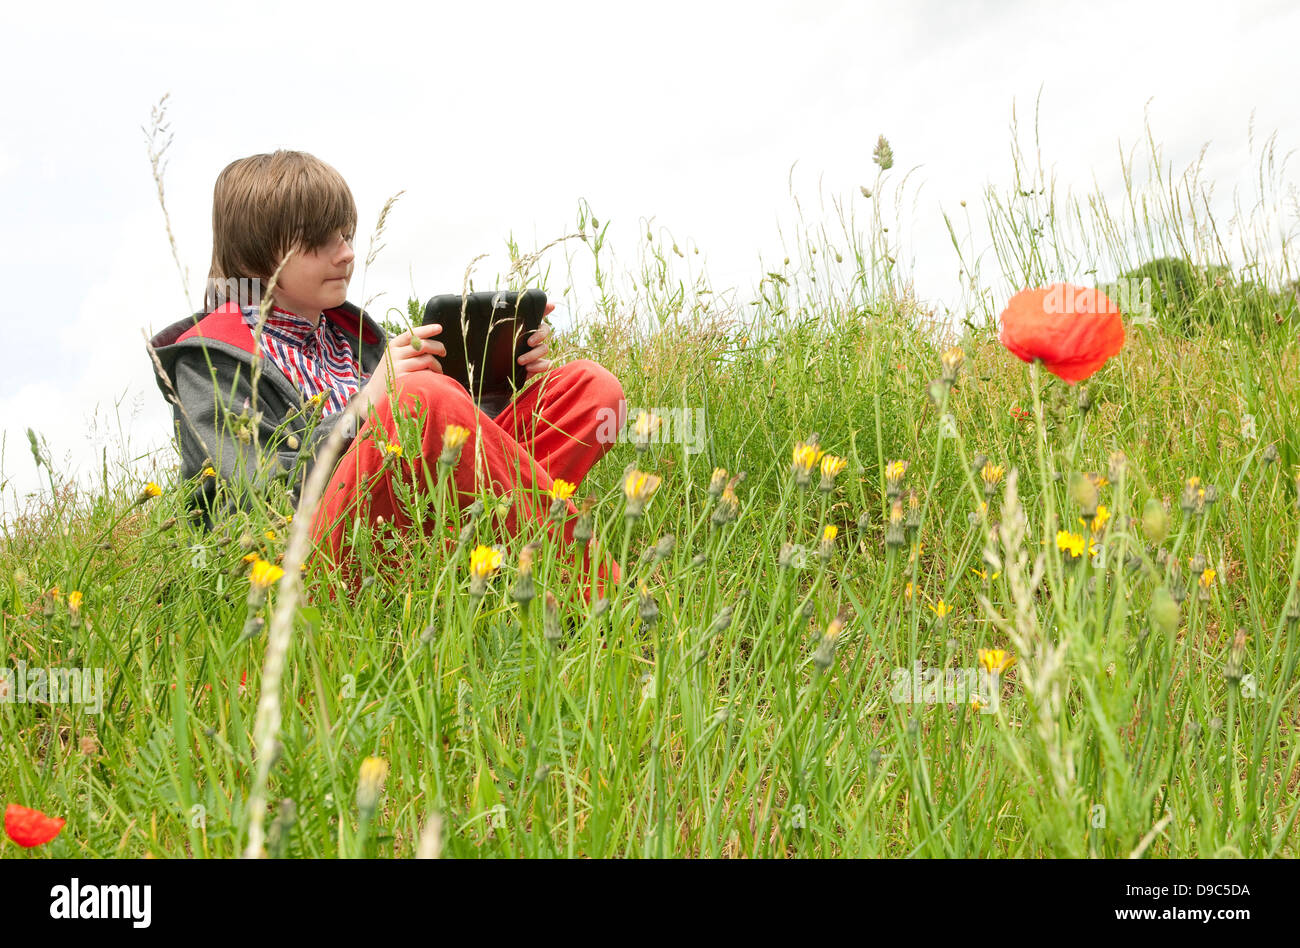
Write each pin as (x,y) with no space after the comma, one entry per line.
(250,439)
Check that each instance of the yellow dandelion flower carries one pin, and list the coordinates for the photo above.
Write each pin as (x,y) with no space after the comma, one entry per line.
(832,466)
(941,609)
(646,424)
(991,474)
(393,449)
(1098,522)
(265,574)
(806,456)
(152,489)
(830,533)
(453,439)
(1071,543)
(638,488)
(562,489)
(894,472)
(1206,580)
(907,592)
(74,600)
(208,471)
(718,481)
(484,561)
(250,558)
(270,535)
(370,781)
(951,362)
(995,660)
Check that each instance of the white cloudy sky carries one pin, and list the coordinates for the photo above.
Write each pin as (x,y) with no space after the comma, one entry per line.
(498,117)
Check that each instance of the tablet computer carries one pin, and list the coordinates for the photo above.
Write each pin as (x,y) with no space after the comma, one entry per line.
(485,334)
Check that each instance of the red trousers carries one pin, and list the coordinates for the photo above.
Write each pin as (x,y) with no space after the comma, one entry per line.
(548,432)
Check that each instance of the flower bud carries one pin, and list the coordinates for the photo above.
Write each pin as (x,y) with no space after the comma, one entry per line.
(1236,658)
(1155,522)
(551,617)
(1165,614)
(1084,493)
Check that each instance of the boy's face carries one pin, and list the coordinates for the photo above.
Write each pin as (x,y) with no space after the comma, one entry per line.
(316,280)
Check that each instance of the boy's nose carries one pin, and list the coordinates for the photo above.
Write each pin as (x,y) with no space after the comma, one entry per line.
(346,253)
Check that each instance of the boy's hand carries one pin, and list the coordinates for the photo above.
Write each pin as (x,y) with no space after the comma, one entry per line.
(535,359)
(401,358)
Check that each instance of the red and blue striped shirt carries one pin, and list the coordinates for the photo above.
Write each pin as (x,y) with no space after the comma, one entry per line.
(317,359)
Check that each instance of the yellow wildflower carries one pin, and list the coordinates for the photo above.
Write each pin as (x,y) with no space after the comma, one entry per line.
(1098,522)
(265,574)
(717,481)
(1206,580)
(638,488)
(562,489)
(208,471)
(995,660)
(393,448)
(805,457)
(1070,543)
(991,474)
(453,439)
(830,533)
(643,429)
(370,781)
(484,561)
(831,468)
(894,472)
(940,610)
(951,362)
(75,598)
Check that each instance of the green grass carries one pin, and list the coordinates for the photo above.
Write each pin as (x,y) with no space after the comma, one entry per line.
(719,728)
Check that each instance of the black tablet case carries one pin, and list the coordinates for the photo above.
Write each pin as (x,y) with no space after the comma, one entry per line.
(495,334)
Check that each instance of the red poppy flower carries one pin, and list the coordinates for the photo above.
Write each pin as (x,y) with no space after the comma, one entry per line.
(30,827)
(1073,329)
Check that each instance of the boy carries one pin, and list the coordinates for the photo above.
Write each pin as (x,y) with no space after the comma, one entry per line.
(243,411)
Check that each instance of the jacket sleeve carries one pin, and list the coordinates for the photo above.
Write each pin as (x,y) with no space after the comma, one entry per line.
(248,452)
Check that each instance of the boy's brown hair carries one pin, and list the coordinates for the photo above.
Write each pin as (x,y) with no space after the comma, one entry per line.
(265,205)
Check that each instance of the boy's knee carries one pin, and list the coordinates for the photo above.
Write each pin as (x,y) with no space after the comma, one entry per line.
(600,383)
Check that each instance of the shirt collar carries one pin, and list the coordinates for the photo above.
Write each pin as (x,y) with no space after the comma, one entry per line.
(285,326)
